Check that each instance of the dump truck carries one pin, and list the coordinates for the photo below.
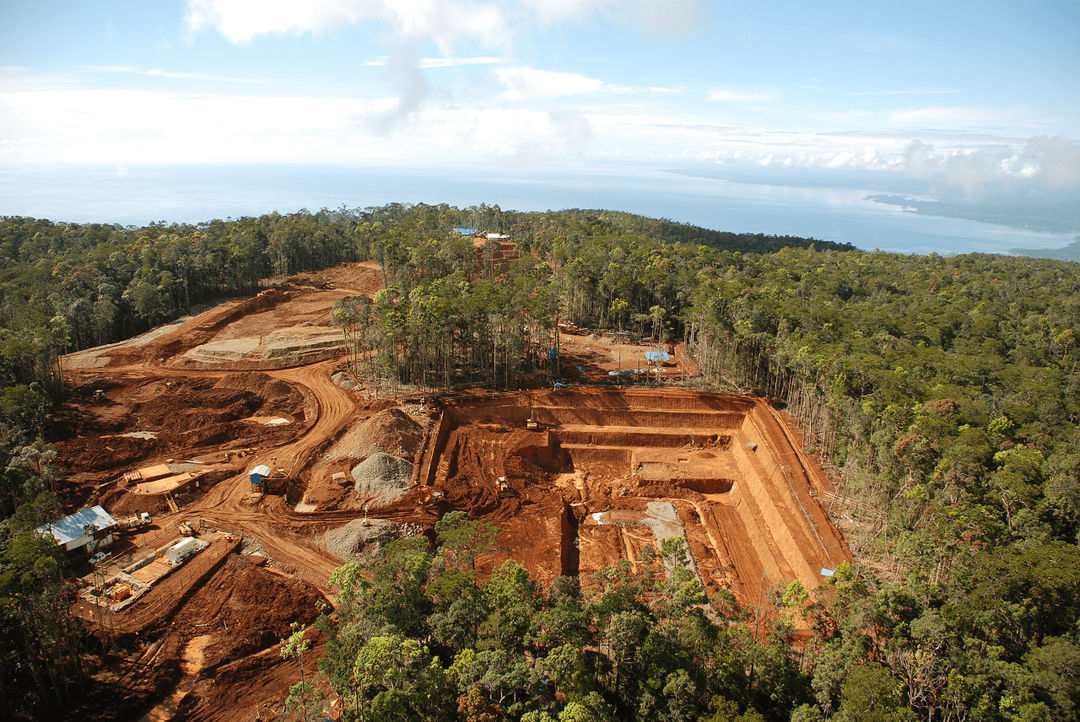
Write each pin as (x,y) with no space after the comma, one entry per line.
(134,521)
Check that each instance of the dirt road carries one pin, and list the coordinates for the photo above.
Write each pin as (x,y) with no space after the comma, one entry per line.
(327,408)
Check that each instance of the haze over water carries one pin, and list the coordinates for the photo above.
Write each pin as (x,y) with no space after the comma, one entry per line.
(138,195)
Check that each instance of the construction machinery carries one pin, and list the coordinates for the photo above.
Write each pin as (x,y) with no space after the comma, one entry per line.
(135,521)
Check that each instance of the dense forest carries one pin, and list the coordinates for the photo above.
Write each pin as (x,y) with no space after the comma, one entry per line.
(943,391)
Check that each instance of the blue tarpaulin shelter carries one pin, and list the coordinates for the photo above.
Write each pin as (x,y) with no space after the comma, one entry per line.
(259,473)
(657,356)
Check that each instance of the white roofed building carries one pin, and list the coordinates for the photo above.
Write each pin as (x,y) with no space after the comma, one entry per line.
(71,531)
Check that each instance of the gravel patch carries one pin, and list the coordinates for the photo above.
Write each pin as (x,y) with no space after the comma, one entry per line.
(391,432)
(343,380)
(358,539)
(382,477)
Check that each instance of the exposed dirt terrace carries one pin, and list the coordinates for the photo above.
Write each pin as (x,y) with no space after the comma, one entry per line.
(606,471)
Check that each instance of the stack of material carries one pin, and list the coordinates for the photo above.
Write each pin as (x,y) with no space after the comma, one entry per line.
(383,478)
(391,432)
(350,542)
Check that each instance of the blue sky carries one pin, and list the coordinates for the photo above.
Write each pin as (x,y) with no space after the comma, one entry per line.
(967,92)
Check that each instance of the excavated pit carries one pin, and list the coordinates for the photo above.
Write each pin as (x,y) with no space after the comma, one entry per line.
(578,479)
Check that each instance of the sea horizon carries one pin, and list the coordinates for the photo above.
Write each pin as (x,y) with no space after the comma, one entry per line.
(141,194)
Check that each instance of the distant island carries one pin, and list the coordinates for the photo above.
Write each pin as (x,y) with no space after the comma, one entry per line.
(1070,252)
(1058,215)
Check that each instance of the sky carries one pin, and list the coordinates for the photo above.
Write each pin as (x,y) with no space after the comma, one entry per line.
(969,93)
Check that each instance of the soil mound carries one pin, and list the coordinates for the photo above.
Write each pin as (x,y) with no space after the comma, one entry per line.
(390,432)
(383,477)
(350,542)
(259,383)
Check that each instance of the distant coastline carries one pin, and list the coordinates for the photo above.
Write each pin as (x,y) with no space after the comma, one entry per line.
(1061,216)
(1070,252)
(140,194)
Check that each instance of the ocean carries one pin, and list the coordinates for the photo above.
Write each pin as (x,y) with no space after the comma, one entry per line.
(136,195)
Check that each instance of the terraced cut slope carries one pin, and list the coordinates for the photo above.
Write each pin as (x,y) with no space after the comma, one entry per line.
(605,472)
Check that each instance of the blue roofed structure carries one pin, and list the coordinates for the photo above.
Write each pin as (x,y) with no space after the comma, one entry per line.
(259,473)
(657,356)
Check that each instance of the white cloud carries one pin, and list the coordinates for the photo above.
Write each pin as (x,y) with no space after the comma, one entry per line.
(970,124)
(173,75)
(556,11)
(654,17)
(670,18)
(439,20)
(841,160)
(945,117)
(47,119)
(413,93)
(1056,161)
(523,83)
(134,126)
(908,91)
(456,62)
(734,96)
(411,24)
(1049,161)
(448,62)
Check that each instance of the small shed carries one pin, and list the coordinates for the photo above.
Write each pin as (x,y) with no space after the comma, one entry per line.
(259,473)
(70,532)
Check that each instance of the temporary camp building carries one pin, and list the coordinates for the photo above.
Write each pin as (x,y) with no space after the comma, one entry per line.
(259,473)
(70,532)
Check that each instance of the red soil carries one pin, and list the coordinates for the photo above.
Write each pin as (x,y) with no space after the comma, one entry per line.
(745,496)
(604,473)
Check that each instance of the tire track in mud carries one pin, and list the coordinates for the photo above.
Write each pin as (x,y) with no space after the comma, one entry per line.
(278,529)
(223,504)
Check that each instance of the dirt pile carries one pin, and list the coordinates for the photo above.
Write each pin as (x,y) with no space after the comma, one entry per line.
(240,610)
(252,609)
(245,609)
(350,542)
(382,477)
(391,432)
(258,383)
